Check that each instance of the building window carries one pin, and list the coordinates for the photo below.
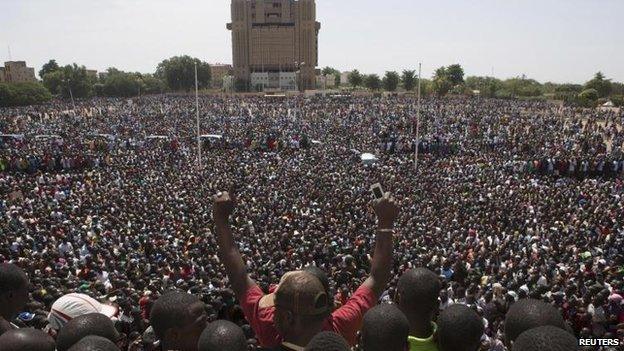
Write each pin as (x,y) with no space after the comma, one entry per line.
(276,5)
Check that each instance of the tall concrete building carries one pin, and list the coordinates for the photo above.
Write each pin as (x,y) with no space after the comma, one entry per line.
(275,43)
(17,72)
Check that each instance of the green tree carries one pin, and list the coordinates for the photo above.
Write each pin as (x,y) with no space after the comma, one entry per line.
(329,71)
(53,81)
(567,92)
(455,74)
(549,87)
(76,78)
(179,73)
(391,81)
(461,89)
(409,80)
(569,88)
(487,86)
(617,88)
(68,77)
(600,84)
(589,94)
(122,84)
(372,82)
(337,79)
(355,78)
(618,100)
(440,73)
(152,85)
(22,94)
(425,86)
(51,66)
(523,87)
(441,84)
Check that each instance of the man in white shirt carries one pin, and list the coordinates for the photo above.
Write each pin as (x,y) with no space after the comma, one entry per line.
(65,247)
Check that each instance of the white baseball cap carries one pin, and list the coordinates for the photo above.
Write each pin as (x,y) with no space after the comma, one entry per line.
(70,306)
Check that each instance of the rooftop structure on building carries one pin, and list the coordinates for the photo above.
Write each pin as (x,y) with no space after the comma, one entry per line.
(17,72)
(93,73)
(272,40)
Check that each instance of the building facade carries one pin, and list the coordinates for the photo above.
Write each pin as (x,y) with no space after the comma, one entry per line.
(217,72)
(324,82)
(261,81)
(228,84)
(275,36)
(344,78)
(17,72)
(93,73)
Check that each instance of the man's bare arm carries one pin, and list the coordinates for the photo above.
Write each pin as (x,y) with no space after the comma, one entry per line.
(387,211)
(228,251)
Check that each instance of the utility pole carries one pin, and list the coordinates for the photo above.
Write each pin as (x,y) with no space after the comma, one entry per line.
(199,156)
(417,122)
(72,98)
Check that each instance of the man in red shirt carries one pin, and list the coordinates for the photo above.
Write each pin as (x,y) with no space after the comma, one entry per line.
(260,309)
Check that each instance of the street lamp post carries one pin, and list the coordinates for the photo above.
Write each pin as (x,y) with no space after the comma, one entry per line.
(72,99)
(298,73)
(297,82)
(67,81)
(199,153)
(417,121)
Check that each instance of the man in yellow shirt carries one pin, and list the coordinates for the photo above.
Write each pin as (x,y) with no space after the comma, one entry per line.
(417,297)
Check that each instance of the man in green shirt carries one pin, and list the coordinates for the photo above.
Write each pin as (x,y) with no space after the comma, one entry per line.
(417,297)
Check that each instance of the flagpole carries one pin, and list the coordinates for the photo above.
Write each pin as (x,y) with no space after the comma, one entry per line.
(199,155)
(417,122)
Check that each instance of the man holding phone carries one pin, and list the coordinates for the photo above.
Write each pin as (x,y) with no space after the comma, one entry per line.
(260,309)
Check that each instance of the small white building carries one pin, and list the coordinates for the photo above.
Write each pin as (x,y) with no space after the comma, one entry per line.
(325,82)
(228,83)
(261,81)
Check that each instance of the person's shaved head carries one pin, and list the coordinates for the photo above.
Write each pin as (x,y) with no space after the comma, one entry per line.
(86,325)
(14,286)
(459,329)
(178,320)
(94,343)
(385,328)
(528,314)
(222,335)
(327,341)
(418,291)
(301,306)
(546,338)
(26,340)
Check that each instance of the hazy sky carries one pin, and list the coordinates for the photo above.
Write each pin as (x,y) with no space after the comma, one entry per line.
(549,40)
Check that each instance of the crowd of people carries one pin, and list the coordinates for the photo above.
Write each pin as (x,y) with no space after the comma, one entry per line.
(507,233)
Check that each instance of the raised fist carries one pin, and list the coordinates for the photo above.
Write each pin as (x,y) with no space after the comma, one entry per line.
(223,206)
(386,210)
